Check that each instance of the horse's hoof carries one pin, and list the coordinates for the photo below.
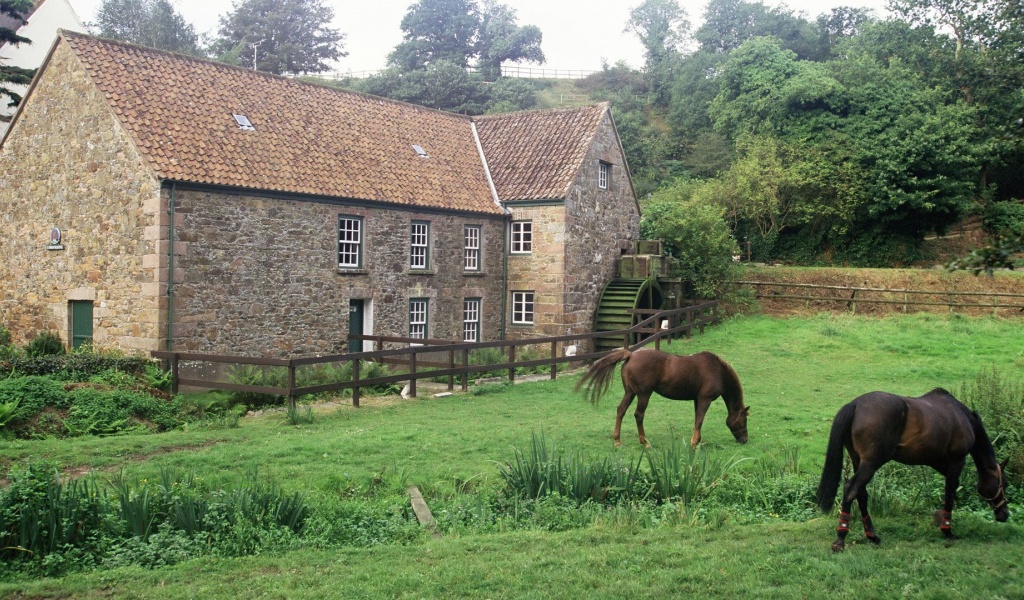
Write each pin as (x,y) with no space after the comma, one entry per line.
(838,546)
(874,539)
(617,443)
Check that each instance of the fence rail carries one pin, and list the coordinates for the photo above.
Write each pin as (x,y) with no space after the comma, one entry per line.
(667,324)
(951,299)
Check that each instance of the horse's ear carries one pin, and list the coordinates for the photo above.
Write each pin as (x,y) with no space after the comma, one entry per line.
(746,410)
(1002,465)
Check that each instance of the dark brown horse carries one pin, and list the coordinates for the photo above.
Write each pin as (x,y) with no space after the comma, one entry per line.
(701,377)
(934,430)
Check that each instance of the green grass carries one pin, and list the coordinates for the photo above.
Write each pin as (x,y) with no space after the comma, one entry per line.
(796,374)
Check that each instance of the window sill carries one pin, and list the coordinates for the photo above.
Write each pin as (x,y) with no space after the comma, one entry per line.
(522,325)
(345,271)
(474,274)
(420,272)
(515,254)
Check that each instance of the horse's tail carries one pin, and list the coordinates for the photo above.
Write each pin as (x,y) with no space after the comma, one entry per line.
(598,377)
(833,470)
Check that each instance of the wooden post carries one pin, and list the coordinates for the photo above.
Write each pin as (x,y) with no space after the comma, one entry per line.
(355,379)
(412,371)
(465,369)
(291,385)
(512,360)
(554,365)
(451,367)
(174,373)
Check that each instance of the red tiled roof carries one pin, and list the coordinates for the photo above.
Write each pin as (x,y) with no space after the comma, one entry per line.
(536,154)
(308,139)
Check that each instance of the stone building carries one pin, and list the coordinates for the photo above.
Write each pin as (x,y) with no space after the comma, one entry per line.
(152,201)
(40,27)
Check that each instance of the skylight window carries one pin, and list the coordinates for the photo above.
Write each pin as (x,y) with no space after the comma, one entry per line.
(243,123)
(420,151)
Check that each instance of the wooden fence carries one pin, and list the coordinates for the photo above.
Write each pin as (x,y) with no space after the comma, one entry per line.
(847,297)
(660,325)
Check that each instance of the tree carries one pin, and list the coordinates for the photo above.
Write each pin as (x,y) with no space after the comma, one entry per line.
(662,27)
(152,23)
(437,30)
(458,31)
(442,85)
(9,74)
(280,36)
(500,39)
(694,232)
(729,23)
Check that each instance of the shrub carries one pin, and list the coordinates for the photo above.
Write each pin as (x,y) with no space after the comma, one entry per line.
(46,343)
(1000,403)
(5,337)
(32,394)
(76,366)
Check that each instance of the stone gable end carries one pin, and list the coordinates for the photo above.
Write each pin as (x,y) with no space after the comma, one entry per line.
(67,163)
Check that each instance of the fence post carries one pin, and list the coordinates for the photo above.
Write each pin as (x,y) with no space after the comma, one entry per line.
(412,371)
(355,379)
(554,365)
(451,367)
(512,360)
(465,369)
(174,373)
(291,384)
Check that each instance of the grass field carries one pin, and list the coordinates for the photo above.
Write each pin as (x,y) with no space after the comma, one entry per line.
(796,373)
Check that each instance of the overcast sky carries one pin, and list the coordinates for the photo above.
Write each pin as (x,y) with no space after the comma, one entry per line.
(578,34)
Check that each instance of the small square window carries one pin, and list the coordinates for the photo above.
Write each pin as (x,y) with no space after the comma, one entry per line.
(243,122)
(522,237)
(522,308)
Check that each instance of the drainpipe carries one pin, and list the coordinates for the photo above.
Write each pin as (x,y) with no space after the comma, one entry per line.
(504,278)
(170,273)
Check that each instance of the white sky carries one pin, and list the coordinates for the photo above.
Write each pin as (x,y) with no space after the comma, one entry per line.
(578,34)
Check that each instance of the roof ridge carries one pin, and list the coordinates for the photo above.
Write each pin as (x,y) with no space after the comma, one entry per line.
(67,33)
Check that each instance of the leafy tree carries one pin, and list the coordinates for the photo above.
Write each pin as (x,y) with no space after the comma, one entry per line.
(442,85)
(9,74)
(437,30)
(458,31)
(694,232)
(662,27)
(500,39)
(280,36)
(509,94)
(152,23)
(729,23)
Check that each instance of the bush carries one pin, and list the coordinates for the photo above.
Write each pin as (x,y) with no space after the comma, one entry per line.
(1000,403)
(76,366)
(1005,218)
(5,337)
(46,343)
(95,411)
(32,394)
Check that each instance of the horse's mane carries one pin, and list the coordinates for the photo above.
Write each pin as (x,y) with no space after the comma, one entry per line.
(982,443)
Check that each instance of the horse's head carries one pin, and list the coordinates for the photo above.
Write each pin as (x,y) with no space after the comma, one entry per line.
(992,487)
(737,423)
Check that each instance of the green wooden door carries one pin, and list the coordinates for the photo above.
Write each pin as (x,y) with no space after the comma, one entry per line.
(81,323)
(355,324)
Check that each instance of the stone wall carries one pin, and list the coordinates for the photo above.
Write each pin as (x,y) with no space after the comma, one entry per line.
(259,276)
(67,163)
(577,244)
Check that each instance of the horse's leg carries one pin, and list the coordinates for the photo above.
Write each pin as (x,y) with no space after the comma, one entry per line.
(641,408)
(944,516)
(869,527)
(700,408)
(854,489)
(621,412)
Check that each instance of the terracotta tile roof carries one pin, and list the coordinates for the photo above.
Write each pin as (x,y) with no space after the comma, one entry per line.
(308,139)
(535,155)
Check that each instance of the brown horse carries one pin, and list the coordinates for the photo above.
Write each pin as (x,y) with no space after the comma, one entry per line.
(701,377)
(934,430)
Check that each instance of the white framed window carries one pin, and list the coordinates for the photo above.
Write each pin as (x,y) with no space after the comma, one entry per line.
(603,174)
(471,320)
(418,318)
(350,242)
(522,308)
(471,248)
(419,245)
(522,237)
